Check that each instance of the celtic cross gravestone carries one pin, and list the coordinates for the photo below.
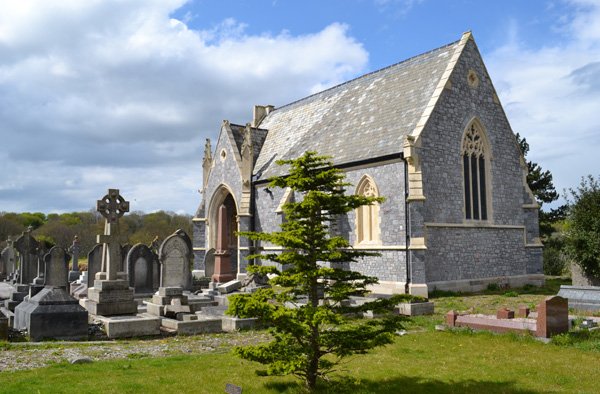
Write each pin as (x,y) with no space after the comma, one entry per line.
(112,206)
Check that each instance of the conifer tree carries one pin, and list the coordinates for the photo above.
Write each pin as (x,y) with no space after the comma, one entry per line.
(311,321)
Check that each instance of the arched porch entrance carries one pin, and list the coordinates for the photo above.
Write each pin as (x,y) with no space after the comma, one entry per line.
(223,221)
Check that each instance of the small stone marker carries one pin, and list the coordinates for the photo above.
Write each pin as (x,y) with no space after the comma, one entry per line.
(232,389)
(553,317)
(505,313)
(451,317)
(523,311)
(57,268)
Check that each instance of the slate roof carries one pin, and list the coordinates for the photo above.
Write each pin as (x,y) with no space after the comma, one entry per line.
(364,118)
(258,138)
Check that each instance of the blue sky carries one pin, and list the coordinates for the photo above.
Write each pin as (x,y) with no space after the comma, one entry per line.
(97,94)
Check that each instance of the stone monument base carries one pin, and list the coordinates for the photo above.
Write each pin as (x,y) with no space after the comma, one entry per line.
(17,296)
(52,314)
(73,276)
(111,297)
(169,302)
(130,326)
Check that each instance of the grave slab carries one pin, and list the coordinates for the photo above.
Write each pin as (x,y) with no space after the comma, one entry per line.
(203,325)
(415,308)
(229,287)
(584,298)
(231,323)
(130,326)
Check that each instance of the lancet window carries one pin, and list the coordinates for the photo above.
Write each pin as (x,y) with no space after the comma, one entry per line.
(367,216)
(475,159)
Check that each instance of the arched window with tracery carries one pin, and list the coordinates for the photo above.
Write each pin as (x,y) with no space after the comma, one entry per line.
(367,216)
(475,158)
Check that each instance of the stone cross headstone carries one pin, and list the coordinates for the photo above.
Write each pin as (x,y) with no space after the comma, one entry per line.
(112,206)
(94,264)
(140,260)
(27,246)
(8,256)
(176,258)
(41,265)
(57,268)
(75,251)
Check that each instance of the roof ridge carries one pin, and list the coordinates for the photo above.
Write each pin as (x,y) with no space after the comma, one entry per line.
(367,74)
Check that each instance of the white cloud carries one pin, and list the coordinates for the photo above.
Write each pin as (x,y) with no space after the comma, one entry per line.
(97,94)
(552,94)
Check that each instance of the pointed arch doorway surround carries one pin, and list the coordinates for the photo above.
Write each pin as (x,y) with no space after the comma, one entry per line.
(224,242)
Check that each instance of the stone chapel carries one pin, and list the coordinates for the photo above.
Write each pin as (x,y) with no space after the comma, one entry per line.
(430,135)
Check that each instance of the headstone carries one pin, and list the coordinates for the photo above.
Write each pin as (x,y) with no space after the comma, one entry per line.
(75,249)
(57,268)
(553,317)
(176,259)
(124,251)
(209,263)
(27,247)
(140,268)
(9,259)
(94,264)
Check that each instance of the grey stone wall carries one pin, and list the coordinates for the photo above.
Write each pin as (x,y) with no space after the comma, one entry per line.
(224,172)
(389,179)
(471,253)
(464,253)
(441,149)
(390,266)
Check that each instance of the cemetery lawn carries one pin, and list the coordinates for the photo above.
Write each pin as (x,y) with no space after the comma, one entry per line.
(424,360)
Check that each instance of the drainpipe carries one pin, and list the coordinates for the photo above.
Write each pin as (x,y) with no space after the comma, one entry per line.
(407,229)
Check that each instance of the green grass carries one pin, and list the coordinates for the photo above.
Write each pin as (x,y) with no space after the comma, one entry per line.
(428,362)
(423,361)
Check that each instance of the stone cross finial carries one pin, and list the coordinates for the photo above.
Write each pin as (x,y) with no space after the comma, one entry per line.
(112,206)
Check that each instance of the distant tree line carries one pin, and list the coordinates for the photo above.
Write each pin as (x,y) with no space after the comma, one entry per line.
(59,229)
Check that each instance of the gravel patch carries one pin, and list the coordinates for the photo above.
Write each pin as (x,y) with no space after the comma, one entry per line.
(22,356)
